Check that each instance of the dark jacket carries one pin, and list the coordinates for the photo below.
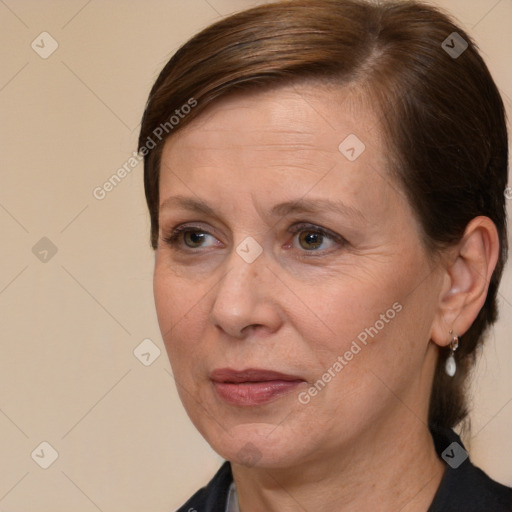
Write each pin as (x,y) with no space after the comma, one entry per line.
(463,488)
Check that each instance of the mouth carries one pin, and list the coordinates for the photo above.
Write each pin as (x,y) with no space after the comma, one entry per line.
(252,386)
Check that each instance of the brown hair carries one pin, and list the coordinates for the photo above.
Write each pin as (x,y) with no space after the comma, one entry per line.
(442,113)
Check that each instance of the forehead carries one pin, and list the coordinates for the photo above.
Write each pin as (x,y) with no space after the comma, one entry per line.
(257,152)
(284,125)
(279,145)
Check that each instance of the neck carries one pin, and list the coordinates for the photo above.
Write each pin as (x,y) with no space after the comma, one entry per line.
(394,467)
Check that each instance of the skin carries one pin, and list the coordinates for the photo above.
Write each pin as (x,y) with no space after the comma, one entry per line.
(295,313)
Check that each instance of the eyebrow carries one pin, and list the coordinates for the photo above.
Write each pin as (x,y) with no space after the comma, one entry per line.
(279,210)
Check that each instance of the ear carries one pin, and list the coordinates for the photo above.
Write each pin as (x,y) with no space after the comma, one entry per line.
(467,271)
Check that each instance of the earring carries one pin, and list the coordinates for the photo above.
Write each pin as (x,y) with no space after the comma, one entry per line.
(451,366)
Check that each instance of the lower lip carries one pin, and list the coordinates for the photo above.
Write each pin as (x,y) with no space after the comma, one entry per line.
(254,393)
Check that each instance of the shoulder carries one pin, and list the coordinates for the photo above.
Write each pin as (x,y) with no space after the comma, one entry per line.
(471,490)
(214,496)
(464,486)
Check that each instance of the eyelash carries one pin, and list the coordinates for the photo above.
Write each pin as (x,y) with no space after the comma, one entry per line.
(173,238)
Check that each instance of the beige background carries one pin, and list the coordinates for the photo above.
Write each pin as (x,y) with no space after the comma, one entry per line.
(70,324)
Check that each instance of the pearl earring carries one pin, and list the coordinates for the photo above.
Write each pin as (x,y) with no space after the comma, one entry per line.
(451,366)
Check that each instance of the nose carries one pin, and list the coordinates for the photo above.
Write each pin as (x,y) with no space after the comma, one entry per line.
(246,298)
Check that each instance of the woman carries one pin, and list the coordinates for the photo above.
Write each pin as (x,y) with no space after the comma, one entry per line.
(325,180)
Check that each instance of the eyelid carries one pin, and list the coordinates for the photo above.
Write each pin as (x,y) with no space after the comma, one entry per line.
(307,226)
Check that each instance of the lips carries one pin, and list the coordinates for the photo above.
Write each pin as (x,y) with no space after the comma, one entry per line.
(252,386)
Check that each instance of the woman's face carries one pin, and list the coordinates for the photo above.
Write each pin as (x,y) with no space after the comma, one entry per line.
(298,255)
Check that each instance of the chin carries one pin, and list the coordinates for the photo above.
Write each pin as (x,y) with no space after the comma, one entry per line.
(256,445)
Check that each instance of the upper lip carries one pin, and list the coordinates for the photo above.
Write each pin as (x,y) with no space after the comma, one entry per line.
(249,375)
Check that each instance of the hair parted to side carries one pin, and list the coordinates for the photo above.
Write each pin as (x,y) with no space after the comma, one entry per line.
(443,117)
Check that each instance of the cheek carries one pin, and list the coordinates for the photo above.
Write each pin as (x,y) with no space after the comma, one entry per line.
(177,303)
(336,312)
(367,329)
(167,307)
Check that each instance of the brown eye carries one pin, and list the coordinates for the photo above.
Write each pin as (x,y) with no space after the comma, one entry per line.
(194,237)
(184,238)
(315,241)
(310,239)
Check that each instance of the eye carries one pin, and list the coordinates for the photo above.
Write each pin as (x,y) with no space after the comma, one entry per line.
(311,237)
(191,236)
